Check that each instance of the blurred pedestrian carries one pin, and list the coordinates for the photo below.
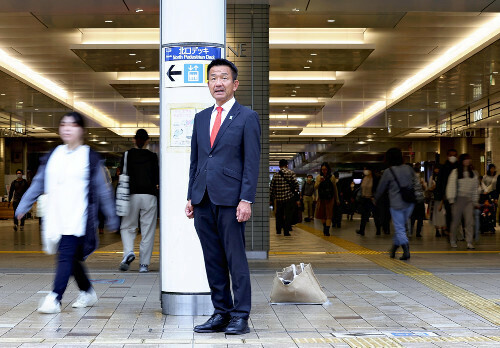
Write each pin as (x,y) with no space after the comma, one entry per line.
(284,187)
(72,176)
(404,190)
(444,173)
(308,194)
(144,177)
(367,193)
(438,218)
(418,213)
(16,192)
(462,193)
(327,197)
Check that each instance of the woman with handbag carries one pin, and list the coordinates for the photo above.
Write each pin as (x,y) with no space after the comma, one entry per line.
(72,180)
(327,197)
(404,190)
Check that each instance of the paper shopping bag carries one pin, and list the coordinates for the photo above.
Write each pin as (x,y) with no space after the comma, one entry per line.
(297,285)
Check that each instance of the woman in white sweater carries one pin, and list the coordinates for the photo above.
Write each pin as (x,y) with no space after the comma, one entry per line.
(462,193)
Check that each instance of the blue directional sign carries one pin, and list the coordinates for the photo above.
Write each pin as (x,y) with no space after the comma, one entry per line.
(192,53)
(193,73)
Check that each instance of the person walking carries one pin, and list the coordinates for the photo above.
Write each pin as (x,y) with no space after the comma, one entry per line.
(284,187)
(418,213)
(444,173)
(72,176)
(367,190)
(438,219)
(337,208)
(225,157)
(308,195)
(17,189)
(144,176)
(462,192)
(327,196)
(404,190)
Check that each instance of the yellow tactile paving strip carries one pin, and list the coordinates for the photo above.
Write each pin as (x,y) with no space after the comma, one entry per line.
(475,303)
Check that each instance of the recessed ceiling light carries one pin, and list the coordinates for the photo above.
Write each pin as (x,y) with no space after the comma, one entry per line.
(2,94)
(361,142)
(307,67)
(297,86)
(131,54)
(410,115)
(295,10)
(381,129)
(498,121)
(309,61)
(103,142)
(19,102)
(400,120)
(138,61)
(292,95)
(156,87)
(36,109)
(142,67)
(108,21)
(139,10)
(314,54)
(374,133)
(495,72)
(331,20)
(422,109)
(284,110)
(452,93)
(322,140)
(471,84)
(436,102)
(294,91)
(50,115)
(371,140)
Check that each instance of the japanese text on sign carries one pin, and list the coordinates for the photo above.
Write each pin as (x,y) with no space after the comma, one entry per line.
(192,53)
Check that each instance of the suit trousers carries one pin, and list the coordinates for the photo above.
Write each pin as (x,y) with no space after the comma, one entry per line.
(70,262)
(222,239)
(143,209)
(308,207)
(462,207)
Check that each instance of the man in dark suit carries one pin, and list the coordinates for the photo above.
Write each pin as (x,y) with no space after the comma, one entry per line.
(225,153)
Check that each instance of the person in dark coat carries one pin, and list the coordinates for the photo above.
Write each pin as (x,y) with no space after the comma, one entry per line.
(72,179)
(17,190)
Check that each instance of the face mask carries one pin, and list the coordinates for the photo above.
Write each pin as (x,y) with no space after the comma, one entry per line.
(309,179)
(19,176)
(452,159)
(366,172)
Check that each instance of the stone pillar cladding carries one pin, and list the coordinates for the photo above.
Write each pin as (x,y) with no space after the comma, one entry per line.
(247,45)
(2,166)
(493,144)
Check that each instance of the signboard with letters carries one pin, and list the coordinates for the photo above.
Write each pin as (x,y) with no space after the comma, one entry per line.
(185,66)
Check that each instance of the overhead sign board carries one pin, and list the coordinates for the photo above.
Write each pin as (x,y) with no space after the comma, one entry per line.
(185,66)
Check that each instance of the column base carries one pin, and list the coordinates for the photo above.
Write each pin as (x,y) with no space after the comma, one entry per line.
(186,304)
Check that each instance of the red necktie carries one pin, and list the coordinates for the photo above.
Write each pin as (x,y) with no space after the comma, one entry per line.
(215,128)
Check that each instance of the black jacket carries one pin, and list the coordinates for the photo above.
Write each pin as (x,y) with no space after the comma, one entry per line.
(444,174)
(143,170)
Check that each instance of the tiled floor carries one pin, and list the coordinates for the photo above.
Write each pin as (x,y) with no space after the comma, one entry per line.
(440,298)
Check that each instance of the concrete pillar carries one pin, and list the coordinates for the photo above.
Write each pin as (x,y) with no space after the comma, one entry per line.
(190,30)
(2,166)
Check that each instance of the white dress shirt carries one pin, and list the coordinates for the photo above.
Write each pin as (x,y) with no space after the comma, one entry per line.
(226,107)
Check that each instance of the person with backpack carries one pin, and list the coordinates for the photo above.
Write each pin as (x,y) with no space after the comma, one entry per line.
(404,191)
(366,192)
(327,196)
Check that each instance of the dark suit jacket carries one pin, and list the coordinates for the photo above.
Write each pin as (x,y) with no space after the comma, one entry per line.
(229,170)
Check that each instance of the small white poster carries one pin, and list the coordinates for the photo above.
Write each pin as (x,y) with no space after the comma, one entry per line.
(181,126)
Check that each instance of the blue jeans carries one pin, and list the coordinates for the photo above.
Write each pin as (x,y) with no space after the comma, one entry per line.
(70,262)
(400,219)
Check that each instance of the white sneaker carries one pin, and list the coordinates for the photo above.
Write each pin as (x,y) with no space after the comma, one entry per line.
(143,268)
(453,245)
(470,246)
(85,299)
(50,304)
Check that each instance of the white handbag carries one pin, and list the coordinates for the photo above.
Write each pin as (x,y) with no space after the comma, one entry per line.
(123,191)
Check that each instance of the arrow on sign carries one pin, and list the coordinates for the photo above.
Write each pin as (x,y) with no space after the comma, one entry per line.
(170,73)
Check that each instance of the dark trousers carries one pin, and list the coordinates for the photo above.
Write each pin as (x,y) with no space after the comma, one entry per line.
(337,215)
(70,263)
(284,215)
(447,208)
(418,216)
(222,239)
(366,212)
(16,222)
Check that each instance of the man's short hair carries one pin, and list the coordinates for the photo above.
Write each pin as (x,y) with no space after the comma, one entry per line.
(19,170)
(310,175)
(221,61)
(141,134)
(450,151)
(283,163)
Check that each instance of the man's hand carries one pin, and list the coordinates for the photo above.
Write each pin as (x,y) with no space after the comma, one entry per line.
(243,211)
(189,210)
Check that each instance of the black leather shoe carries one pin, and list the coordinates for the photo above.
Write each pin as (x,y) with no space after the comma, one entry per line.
(217,323)
(237,326)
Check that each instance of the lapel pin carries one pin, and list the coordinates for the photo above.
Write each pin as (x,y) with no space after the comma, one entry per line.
(230,117)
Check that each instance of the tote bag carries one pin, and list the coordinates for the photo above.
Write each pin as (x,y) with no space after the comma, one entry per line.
(297,285)
(123,191)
